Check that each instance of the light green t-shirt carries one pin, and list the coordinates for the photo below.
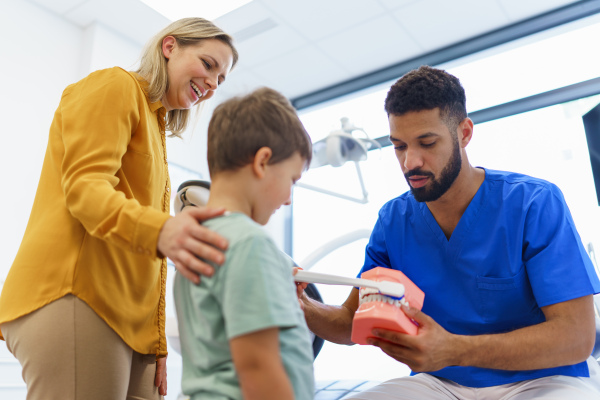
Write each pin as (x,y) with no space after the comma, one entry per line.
(253,290)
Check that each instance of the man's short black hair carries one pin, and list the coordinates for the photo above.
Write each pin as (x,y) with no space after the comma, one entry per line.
(427,88)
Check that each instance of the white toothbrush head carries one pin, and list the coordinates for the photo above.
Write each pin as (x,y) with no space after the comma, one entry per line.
(392,289)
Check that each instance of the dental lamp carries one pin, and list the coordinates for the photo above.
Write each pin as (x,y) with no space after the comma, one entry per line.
(339,147)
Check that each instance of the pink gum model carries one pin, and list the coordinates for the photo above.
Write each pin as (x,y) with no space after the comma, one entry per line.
(384,311)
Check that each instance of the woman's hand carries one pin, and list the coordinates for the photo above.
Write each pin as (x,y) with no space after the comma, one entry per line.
(189,244)
(160,379)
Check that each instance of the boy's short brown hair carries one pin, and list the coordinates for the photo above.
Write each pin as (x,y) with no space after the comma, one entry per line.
(240,126)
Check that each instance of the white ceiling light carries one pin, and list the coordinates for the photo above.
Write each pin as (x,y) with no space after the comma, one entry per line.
(211,10)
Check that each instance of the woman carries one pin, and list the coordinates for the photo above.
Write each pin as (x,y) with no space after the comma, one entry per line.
(82,308)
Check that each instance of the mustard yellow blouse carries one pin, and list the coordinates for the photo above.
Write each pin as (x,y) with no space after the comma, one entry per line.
(102,199)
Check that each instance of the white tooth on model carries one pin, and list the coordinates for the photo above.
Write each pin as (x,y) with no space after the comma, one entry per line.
(370,295)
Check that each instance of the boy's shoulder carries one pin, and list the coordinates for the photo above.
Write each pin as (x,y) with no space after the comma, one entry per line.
(236,227)
(252,258)
(246,240)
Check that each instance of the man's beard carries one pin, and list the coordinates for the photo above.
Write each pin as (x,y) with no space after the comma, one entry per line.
(437,187)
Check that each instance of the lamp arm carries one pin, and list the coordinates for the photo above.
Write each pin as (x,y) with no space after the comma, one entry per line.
(361,180)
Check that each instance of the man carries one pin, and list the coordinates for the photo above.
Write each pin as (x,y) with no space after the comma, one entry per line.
(508,309)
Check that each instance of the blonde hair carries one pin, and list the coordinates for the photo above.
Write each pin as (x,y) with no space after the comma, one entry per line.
(240,126)
(153,63)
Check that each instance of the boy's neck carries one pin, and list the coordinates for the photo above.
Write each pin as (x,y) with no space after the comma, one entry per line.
(229,190)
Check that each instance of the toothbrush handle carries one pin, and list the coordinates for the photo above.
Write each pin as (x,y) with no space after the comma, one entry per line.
(317,277)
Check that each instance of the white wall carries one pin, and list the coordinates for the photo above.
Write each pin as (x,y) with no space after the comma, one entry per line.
(40,56)
(104,48)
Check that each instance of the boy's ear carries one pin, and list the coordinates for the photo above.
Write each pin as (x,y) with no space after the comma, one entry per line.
(261,161)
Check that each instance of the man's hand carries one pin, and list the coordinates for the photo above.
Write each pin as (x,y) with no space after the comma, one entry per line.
(160,379)
(187,243)
(430,349)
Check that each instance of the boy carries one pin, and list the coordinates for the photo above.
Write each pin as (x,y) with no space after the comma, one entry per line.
(243,334)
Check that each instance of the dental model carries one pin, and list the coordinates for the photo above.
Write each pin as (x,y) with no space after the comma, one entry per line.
(376,310)
(382,292)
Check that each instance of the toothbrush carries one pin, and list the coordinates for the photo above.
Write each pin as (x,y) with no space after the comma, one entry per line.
(392,289)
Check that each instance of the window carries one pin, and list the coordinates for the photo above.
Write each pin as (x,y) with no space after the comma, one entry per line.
(548,143)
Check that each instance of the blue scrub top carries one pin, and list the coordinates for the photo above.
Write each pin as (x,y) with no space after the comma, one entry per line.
(514,250)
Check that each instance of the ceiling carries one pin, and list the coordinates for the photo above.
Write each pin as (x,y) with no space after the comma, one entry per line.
(299,47)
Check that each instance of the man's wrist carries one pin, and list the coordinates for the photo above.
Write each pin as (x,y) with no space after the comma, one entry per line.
(461,348)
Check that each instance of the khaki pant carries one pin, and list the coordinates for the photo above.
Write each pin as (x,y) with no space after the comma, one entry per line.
(69,353)
(428,387)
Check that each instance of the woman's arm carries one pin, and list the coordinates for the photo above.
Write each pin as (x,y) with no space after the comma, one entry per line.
(259,367)
(106,147)
(100,119)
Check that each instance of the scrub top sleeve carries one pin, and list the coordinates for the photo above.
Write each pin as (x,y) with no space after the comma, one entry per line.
(376,254)
(557,265)
(258,288)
